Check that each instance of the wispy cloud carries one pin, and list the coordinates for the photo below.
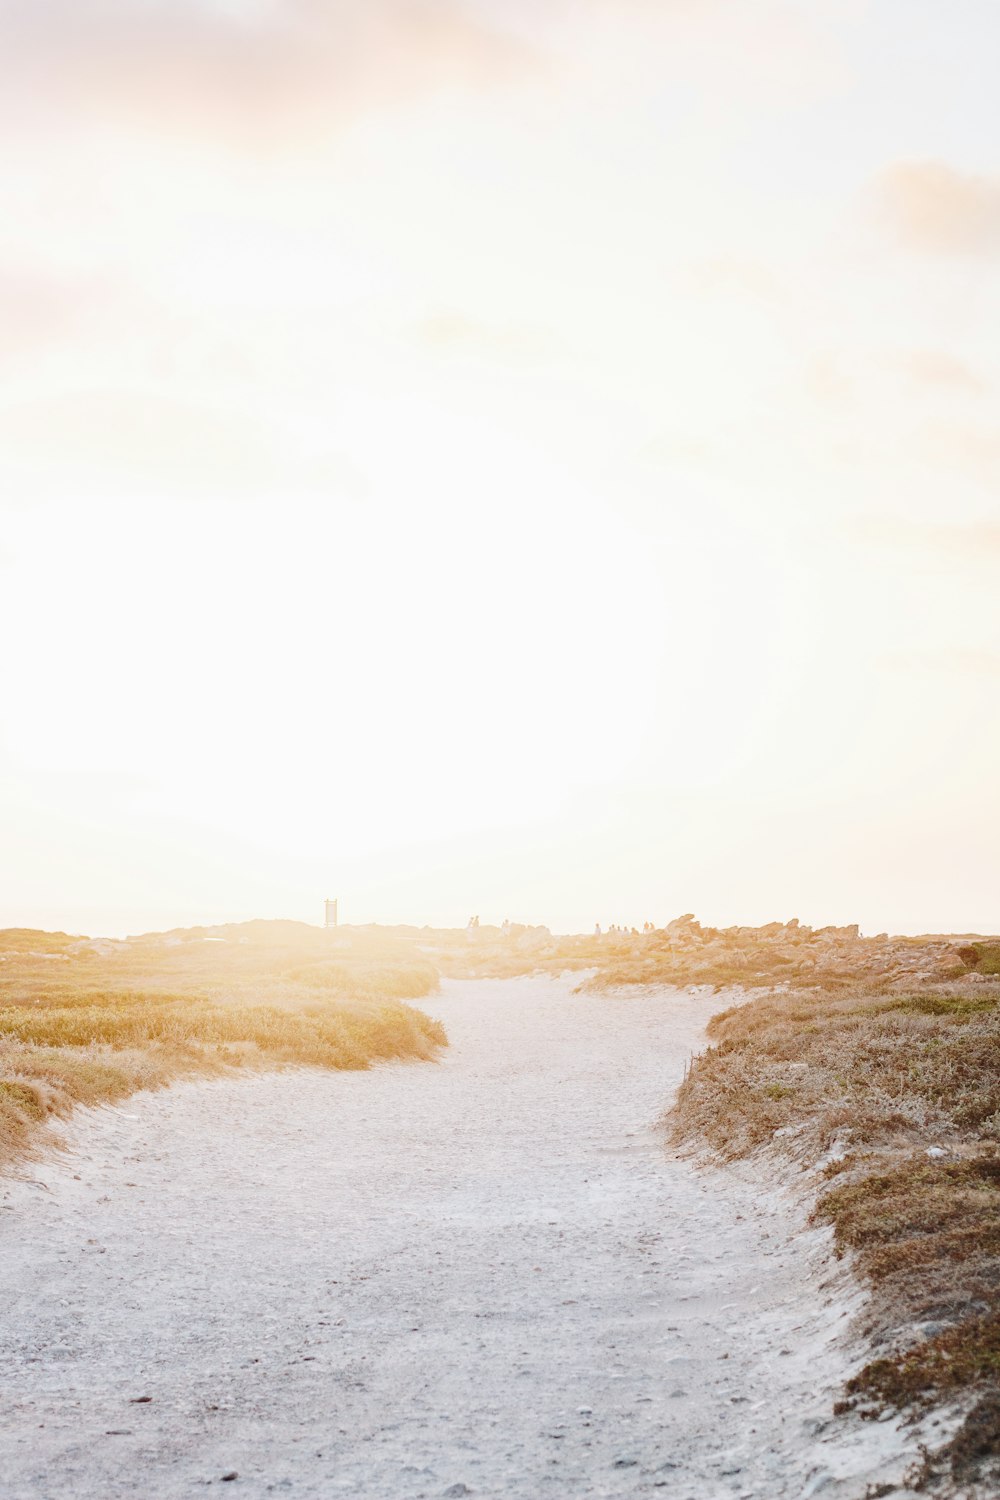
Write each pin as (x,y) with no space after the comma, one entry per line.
(935,368)
(451,333)
(146,443)
(951,661)
(728,275)
(254,70)
(974,539)
(933,207)
(38,310)
(971,449)
(826,381)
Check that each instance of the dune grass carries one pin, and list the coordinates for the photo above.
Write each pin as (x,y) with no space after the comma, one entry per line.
(873,1068)
(896,1099)
(79,1027)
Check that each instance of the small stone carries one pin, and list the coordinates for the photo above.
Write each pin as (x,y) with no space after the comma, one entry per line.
(140,1400)
(624,1463)
(458,1489)
(233,1474)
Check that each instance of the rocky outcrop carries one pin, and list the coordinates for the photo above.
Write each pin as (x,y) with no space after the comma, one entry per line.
(684,951)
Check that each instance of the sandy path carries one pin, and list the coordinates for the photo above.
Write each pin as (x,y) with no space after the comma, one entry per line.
(486,1273)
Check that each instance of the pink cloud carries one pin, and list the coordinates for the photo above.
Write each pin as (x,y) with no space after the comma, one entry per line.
(37,310)
(936,368)
(252,73)
(931,206)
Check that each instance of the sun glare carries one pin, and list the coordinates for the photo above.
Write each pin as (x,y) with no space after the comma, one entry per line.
(544,434)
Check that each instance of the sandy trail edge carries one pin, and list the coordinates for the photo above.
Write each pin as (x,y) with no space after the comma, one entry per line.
(486,1274)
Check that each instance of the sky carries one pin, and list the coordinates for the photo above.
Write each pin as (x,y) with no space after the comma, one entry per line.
(533,458)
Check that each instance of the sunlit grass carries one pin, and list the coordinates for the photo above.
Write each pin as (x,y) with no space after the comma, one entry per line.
(884,1079)
(80,1028)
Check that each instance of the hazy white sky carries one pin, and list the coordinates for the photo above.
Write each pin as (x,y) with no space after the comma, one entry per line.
(532,457)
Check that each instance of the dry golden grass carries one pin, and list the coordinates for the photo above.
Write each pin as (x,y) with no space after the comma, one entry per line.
(79,1026)
(879,1067)
(885,1078)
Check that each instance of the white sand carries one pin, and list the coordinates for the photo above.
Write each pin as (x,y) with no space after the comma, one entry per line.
(486,1273)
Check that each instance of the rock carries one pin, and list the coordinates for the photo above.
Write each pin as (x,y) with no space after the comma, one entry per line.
(232,1474)
(683,926)
(534,937)
(624,1463)
(140,1400)
(458,1489)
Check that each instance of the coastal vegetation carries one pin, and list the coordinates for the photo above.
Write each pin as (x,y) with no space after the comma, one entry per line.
(890,1097)
(86,1022)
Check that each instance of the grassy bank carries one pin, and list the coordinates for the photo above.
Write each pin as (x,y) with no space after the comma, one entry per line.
(84,1023)
(893,1098)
